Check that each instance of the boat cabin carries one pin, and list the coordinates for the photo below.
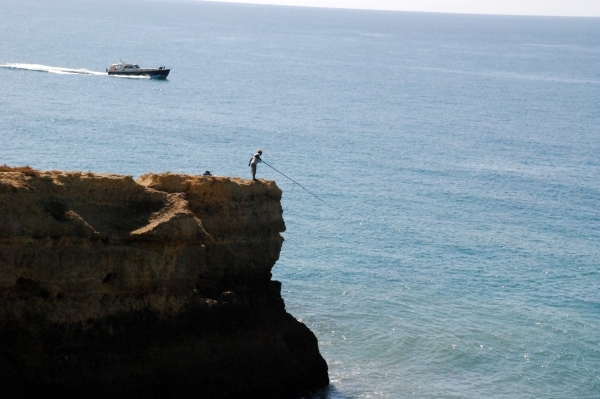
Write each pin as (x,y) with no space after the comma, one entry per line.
(123,67)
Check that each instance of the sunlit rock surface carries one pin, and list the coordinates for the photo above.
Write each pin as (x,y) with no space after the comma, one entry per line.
(155,288)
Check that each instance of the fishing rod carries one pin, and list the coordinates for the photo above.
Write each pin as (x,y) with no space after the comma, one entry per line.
(304,188)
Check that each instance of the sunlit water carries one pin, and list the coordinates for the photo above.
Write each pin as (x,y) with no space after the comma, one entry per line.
(461,152)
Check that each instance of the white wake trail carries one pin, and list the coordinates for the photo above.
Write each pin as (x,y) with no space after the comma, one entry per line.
(64,71)
(51,69)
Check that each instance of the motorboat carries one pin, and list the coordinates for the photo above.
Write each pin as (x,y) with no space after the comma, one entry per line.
(125,69)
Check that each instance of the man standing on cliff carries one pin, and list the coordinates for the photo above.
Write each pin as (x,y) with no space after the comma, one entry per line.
(253,162)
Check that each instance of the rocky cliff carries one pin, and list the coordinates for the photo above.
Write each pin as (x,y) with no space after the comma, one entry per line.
(154,288)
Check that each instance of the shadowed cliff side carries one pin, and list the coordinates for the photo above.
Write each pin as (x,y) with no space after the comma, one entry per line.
(158,287)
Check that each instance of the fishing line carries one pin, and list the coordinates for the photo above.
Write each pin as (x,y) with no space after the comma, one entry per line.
(304,188)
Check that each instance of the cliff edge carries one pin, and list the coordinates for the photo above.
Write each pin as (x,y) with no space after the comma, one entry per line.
(159,287)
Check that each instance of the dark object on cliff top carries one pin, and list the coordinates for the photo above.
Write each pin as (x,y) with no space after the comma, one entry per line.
(207,173)
(150,289)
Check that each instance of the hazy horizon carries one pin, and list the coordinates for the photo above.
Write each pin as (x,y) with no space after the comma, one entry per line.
(575,8)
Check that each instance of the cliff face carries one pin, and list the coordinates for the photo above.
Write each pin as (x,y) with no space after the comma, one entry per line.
(162,286)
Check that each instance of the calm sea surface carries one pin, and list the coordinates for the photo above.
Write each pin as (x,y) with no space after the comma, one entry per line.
(462,152)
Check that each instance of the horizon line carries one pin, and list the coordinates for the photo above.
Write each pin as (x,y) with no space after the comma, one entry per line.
(460,12)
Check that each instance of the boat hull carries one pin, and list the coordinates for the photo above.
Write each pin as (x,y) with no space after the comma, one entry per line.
(152,73)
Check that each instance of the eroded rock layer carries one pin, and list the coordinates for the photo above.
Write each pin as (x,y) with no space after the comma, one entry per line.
(158,287)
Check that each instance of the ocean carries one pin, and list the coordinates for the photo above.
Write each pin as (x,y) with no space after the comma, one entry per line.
(457,254)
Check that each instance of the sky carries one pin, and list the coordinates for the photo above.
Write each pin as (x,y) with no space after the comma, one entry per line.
(581,8)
